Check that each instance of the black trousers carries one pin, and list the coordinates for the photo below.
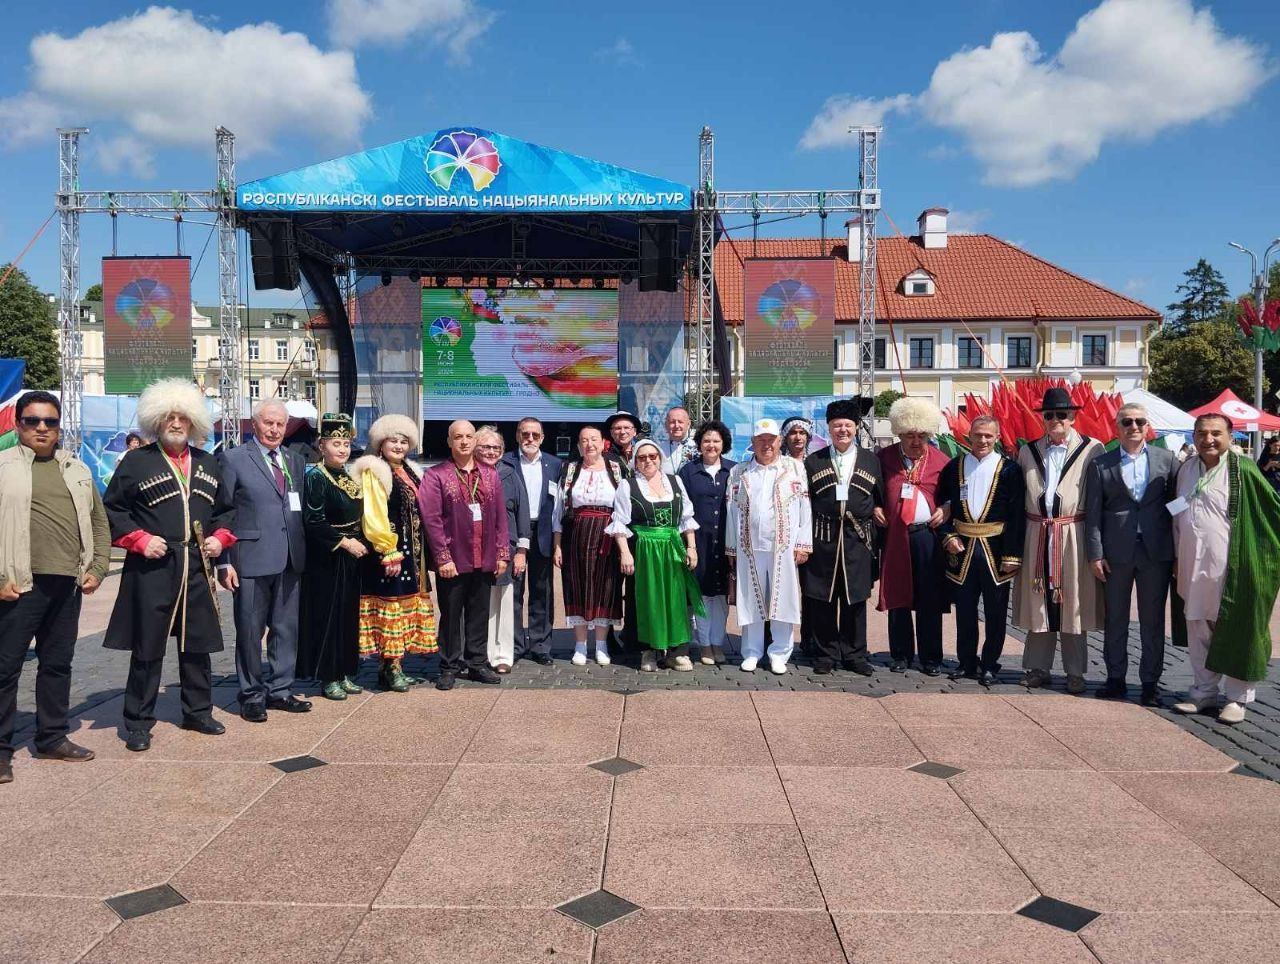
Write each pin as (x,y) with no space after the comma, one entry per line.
(980,585)
(464,620)
(50,612)
(925,636)
(839,629)
(535,637)
(194,676)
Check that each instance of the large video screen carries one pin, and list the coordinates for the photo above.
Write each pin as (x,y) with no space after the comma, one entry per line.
(500,354)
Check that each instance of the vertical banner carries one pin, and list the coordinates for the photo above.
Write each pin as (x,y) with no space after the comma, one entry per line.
(386,325)
(651,357)
(147,323)
(790,311)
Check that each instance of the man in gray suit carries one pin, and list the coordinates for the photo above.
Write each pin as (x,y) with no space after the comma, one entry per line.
(540,472)
(1130,539)
(265,483)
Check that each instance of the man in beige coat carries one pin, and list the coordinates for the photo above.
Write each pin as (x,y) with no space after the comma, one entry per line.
(1055,595)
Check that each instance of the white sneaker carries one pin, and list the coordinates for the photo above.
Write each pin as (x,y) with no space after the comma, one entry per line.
(778,666)
(1188,707)
(579,659)
(681,664)
(1232,713)
(602,658)
(749,664)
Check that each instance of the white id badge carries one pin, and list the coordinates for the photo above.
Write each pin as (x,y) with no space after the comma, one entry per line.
(475,511)
(842,491)
(551,489)
(295,502)
(908,490)
(1178,506)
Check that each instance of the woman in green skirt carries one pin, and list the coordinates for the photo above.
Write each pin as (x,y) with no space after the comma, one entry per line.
(653,525)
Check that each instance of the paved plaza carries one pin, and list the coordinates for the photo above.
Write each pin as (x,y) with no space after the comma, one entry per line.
(603,815)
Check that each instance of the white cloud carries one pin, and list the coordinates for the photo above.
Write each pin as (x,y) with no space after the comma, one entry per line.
(960,221)
(124,153)
(1129,70)
(455,24)
(1135,286)
(621,53)
(170,79)
(831,127)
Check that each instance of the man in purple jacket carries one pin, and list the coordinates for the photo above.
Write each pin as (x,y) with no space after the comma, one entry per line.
(465,516)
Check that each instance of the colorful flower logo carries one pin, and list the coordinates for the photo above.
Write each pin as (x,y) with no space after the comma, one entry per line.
(789,305)
(445,331)
(145,303)
(463,151)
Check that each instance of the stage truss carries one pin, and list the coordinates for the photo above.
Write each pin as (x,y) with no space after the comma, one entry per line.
(710,207)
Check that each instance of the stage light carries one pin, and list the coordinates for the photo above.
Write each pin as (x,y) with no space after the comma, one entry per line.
(415,277)
(595,227)
(386,278)
(397,226)
(548,283)
(625,278)
(441,280)
(459,226)
(493,281)
(522,229)
(599,282)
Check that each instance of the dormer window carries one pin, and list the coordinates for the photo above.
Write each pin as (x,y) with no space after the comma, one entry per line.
(918,284)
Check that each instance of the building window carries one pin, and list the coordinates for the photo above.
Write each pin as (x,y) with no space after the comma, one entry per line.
(282,349)
(255,389)
(880,355)
(1019,352)
(969,353)
(1095,350)
(917,284)
(255,350)
(309,389)
(195,350)
(921,352)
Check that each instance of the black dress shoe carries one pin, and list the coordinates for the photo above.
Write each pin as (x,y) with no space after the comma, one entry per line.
(1113,689)
(206,725)
(1149,697)
(542,659)
(138,741)
(931,669)
(445,681)
(253,713)
(961,672)
(290,705)
(822,667)
(483,674)
(898,666)
(6,772)
(860,666)
(987,678)
(68,751)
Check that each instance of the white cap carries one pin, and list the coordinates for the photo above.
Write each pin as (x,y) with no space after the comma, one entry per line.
(765,426)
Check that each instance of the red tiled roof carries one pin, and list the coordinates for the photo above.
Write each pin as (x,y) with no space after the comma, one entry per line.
(977,277)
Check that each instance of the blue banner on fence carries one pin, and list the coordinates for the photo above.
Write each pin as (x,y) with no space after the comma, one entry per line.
(740,414)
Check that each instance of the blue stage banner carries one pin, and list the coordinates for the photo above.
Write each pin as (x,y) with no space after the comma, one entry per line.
(651,369)
(464,169)
(741,414)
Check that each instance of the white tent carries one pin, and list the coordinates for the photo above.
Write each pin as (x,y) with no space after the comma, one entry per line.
(1164,417)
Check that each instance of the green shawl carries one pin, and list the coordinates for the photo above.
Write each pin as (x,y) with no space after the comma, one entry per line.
(1241,643)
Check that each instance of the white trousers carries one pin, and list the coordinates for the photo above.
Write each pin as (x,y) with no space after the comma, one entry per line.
(1038,650)
(502,626)
(1206,682)
(710,629)
(753,633)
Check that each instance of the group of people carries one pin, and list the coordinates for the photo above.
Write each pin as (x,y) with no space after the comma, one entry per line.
(330,563)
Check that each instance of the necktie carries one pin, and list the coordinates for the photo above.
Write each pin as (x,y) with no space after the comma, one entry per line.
(274,456)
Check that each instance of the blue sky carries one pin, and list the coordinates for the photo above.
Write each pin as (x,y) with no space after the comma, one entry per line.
(1121,139)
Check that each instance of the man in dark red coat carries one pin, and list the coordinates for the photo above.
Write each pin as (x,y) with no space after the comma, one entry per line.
(911,565)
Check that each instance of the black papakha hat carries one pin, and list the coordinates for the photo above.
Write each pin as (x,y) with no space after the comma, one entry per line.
(850,408)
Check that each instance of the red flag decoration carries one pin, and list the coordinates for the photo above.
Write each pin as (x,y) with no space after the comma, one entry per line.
(1014,403)
(1260,333)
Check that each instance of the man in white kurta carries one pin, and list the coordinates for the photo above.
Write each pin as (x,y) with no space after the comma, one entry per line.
(1202,532)
(768,535)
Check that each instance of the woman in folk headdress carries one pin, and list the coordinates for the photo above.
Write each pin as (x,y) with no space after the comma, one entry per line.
(329,644)
(396,614)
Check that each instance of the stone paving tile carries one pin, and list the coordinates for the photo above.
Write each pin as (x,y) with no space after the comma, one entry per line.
(536,864)
(40,930)
(519,704)
(1126,869)
(672,796)
(408,728)
(895,801)
(925,709)
(41,787)
(499,796)
(949,938)
(700,867)
(199,790)
(982,747)
(842,708)
(726,937)
(675,706)
(1140,748)
(199,933)
(368,794)
(716,742)
(468,937)
(1065,800)
(544,739)
(957,869)
(1208,937)
(812,743)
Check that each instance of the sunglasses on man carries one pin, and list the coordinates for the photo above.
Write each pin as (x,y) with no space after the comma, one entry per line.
(35,421)
(1056,416)
(1131,422)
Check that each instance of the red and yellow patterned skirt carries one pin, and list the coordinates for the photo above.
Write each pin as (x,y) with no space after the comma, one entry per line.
(391,627)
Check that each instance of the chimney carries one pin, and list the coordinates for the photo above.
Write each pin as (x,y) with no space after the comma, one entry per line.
(933,227)
(853,228)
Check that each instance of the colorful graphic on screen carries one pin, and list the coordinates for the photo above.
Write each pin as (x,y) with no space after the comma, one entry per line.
(463,151)
(146,303)
(789,305)
(552,354)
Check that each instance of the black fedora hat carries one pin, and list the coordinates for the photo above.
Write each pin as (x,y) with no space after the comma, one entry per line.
(622,416)
(1058,400)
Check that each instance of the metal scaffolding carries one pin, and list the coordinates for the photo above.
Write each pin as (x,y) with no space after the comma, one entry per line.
(869,204)
(72,201)
(700,336)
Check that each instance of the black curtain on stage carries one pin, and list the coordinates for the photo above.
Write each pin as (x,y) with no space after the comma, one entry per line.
(324,289)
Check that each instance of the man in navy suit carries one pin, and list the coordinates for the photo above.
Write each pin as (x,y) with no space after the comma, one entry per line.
(540,472)
(265,482)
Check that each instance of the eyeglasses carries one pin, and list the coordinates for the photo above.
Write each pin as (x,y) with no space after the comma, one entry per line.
(488,448)
(647,457)
(1056,416)
(35,421)
(531,435)
(1131,422)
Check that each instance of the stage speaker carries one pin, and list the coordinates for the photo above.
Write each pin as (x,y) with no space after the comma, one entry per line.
(658,262)
(272,253)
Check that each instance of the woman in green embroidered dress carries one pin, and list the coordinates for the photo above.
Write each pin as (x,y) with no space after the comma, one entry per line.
(653,525)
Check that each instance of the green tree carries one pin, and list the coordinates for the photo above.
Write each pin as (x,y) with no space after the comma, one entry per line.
(94,293)
(27,330)
(885,400)
(1193,368)
(1205,297)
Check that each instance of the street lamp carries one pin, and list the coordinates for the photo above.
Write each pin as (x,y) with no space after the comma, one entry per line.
(1259,303)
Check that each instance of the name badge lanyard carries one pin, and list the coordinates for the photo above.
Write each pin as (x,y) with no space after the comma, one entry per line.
(910,493)
(473,489)
(283,464)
